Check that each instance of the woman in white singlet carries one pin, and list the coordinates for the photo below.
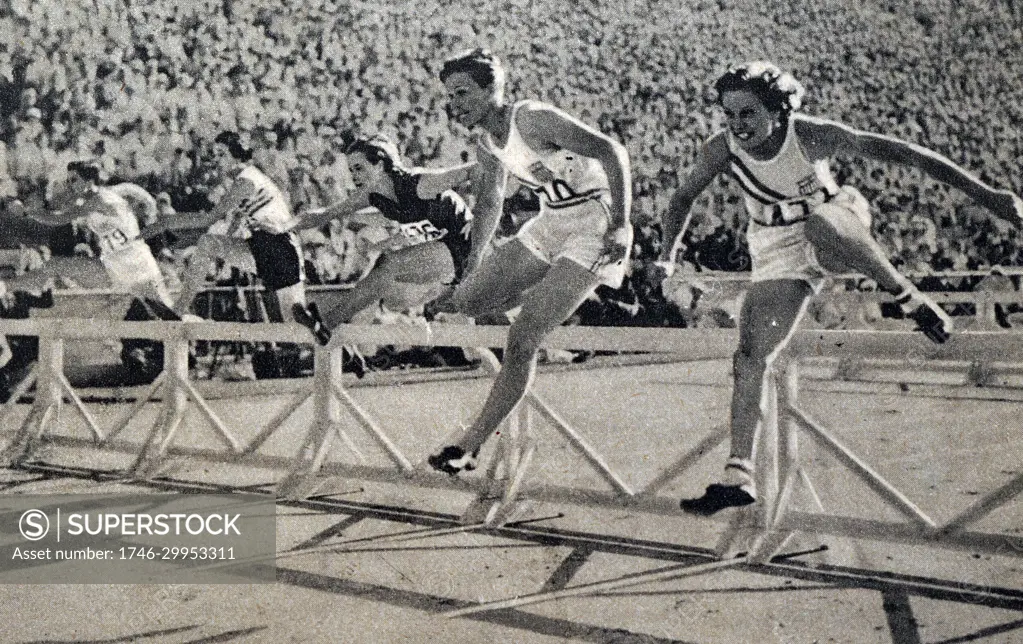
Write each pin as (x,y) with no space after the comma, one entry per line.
(802,227)
(580,239)
(124,259)
(256,237)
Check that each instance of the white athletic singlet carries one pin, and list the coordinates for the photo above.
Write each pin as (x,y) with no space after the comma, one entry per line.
(128,260)
(560,178)
(112,221)
(265,208)
(781,191)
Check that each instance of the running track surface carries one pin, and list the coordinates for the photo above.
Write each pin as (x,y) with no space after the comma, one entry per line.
(941,453)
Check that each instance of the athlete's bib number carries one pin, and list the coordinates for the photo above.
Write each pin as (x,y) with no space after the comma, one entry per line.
(556,192)
(113,239)
(422,231)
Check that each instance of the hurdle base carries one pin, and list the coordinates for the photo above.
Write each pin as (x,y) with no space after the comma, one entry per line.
(29,436)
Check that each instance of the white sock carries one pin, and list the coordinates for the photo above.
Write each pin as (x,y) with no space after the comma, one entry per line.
(739,472)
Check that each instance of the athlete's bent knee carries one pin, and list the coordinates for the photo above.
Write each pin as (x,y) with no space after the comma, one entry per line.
(522,347)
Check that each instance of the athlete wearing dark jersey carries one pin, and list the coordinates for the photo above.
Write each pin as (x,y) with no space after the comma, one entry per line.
(445,218)
(431,248)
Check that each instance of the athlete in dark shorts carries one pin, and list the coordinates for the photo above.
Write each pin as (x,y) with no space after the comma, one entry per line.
(256,232)
(431,243)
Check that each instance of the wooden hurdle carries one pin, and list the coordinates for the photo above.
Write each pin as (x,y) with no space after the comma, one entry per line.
(758,533)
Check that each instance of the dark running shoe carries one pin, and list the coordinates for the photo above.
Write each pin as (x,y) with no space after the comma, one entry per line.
(353,362)
(309,317)
(42,301)
(718,497)
(930,318)
(452,460)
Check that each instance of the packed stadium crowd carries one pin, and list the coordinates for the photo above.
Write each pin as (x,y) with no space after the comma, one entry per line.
(145,87)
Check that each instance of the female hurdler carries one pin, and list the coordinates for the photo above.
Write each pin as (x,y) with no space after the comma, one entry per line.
(802,227)
(580,239)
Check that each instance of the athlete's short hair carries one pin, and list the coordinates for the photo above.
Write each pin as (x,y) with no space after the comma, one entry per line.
(88,169)
(779,91)
(233,142)
(480,64)
(378,149)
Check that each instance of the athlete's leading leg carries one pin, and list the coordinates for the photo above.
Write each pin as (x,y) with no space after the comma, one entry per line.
(842,243)
(423,264)
(497,285)
(544,308)
(290,297)
(770,313)
(84,272)
(208,250)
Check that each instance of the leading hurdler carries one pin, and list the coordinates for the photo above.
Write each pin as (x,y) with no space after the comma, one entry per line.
(802,228)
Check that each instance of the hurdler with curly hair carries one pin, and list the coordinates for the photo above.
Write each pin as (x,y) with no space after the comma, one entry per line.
(432,240)
(802,227)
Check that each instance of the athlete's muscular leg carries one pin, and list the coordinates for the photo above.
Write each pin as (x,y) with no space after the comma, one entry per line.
(288,297)
(73,272)
(842,244)
(208,250)
(770,312)
(497,285)
(544,308)
(428,263)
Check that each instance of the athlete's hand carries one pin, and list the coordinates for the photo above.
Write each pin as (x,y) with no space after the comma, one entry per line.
(616,244)
(1005,205)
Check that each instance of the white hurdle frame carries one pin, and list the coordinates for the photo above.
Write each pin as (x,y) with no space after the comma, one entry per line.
(499,495)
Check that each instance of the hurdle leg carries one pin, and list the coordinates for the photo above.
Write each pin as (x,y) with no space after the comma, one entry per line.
(328,365)
(498,503)
(786,457)
(484,508)
(139,403)
(521,449)
(888,492)
(392,451)
(19,391)
(90,422)
(580,445)
(276,422)
(174,407)
(47,405)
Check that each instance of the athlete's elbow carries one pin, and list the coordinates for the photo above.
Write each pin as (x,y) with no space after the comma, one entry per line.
(615,154)
(680,204)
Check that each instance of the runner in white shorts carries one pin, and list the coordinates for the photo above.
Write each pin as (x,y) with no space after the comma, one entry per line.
(580,239)
(802,227)
(125,261)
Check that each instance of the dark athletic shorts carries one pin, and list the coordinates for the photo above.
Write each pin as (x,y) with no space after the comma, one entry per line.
(279,261)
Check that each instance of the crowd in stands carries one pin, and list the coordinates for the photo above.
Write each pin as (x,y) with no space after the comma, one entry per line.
(145,86)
